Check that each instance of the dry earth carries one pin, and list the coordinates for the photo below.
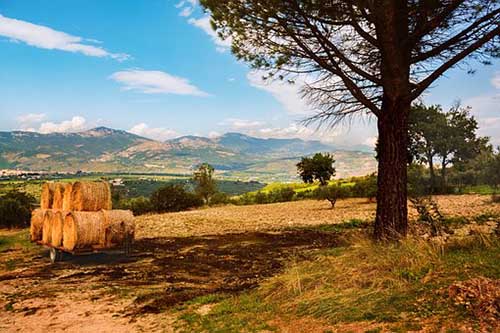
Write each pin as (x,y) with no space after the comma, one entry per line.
(235,219)
(177,257)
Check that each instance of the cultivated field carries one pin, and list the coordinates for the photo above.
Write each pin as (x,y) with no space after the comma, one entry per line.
(235,219)
(180,260)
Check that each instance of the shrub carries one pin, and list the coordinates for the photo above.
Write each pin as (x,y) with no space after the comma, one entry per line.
(220,198)
(283,194)
(174,198)
(139,205)
(260,198)
(332,193)
(366,187)
(15,209)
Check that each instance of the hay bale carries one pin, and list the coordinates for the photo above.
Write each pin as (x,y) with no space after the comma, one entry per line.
(68,187)
(47,196)
(119,225)
(90,196)
(57,228)
(57,202)
(36,225)
(47,227)
(82,229)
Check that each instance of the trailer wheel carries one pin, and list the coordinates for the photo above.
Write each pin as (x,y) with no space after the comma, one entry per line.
(55,255)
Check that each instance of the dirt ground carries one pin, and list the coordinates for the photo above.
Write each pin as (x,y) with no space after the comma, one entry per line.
(177,257)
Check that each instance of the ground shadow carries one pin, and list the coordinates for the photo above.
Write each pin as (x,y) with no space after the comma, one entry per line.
(174,270)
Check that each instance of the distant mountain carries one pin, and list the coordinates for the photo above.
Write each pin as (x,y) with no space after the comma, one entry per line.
(106,149)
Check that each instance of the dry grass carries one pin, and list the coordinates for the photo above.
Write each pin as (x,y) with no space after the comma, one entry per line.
(82,229)
(90,196)
(232,219)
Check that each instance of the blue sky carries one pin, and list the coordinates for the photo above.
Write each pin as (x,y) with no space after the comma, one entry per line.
(155,68)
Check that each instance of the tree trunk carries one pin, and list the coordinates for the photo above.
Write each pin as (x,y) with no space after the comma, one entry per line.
(433,176)
(391,221)
(444,183)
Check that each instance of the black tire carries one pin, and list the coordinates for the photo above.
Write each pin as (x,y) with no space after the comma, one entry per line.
(55,255)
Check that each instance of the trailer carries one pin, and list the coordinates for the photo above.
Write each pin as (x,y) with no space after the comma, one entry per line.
(56,252)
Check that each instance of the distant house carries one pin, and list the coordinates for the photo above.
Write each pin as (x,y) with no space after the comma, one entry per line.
(117,182)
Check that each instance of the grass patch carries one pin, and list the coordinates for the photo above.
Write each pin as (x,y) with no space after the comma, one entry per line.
(401,285)
(15,239)
(245,313)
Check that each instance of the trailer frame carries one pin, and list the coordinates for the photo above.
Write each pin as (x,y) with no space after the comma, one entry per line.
(56,252)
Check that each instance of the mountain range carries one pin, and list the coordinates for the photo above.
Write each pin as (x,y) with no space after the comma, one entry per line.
(108,150)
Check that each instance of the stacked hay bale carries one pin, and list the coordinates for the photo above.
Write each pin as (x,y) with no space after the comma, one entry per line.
(79,216)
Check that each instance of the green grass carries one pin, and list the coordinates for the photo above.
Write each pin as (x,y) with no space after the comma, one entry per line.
(399,285)
(14,240)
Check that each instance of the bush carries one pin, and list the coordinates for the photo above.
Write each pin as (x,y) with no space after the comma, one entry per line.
(365,187)
(15,209)
(284,194)
(332,193)
(174,198)
(139,205)
(220,198)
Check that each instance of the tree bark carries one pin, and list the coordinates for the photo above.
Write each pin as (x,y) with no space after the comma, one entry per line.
(431,170)
(391,222)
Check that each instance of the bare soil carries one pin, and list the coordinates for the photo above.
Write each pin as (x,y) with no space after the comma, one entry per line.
(177,257)
(106,293)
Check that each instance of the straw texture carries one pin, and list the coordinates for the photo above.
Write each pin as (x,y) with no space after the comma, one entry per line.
(118,226)
(90,196)
(47,196)
(36,226)
(57,228)
(47,227)
(57,202)
(82,229)
(68,187)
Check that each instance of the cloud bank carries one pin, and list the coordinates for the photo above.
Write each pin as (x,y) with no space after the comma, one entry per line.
(156,82)
(46,38)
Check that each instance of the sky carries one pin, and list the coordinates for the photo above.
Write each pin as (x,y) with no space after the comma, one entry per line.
(155,68)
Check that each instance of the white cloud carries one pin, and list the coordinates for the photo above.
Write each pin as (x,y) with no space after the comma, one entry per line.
(495,81)
(158,133)
(203,23)
(213,134)
(238,124)
(47,38)
(285,93)
(26,121)
(156,82)
(76,124)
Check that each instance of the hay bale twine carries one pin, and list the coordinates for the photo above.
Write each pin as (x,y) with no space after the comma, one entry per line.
(36,225)
(82,229)
(119,226)
(57,202)
(47,196)
(90,196)
(57,228)
(66,205)
(47,227)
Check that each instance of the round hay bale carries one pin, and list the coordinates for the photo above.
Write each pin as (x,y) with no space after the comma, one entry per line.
(82,229)
(47,196)
(66,205)
(119,226)
(47,227)
(36,225)
(90,196)
(57,228)
(57,202)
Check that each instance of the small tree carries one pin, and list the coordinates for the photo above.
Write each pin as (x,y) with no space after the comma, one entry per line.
(15,209)
(319,167)
(174,198)
(332,193)
(205,184)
